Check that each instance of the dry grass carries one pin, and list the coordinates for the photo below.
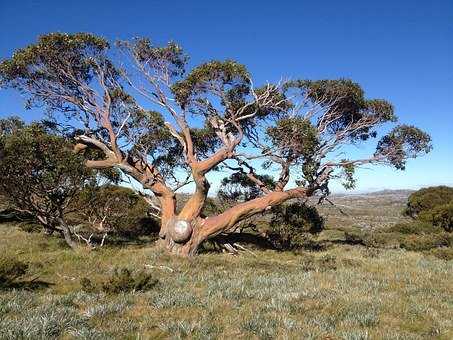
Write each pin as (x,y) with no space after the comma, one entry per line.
(343,293)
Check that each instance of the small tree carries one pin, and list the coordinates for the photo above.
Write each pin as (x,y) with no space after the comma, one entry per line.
(40,174)
(195,122)
(111,209)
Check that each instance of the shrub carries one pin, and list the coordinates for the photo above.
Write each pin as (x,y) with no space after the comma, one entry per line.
(291,225)
(311,263)
(87,285)
(441,216)
(121,280)
(415,227)
(113,209)
(375,239)
(442,253)
(11,270)
(40,175)
(426,199)
(424,242)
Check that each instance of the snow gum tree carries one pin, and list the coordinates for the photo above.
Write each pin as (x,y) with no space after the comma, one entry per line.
(143,113)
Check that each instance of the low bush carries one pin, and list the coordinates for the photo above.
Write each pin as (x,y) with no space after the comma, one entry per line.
(113,209)
(30,227)
(442,253)
(413,228)
(375,239)
(424,242)
(121,280)
(309,262)
(10,271)
(406,236)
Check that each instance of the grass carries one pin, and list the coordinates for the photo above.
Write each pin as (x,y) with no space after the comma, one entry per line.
(345,292)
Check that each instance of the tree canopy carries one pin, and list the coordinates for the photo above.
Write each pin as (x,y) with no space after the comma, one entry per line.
(164,126)
(41,175)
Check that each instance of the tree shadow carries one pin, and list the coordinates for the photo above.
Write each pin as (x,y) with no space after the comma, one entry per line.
(249,240)
(26,285)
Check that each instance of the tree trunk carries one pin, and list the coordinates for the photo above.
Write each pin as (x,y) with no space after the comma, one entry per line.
(184,236)
(67,234)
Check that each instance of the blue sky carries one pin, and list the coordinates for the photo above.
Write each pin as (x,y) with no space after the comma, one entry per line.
(398,50)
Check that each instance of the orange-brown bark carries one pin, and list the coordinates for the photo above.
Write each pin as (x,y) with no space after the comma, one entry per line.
(224,222)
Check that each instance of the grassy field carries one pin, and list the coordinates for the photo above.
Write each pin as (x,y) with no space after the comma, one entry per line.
(346,292)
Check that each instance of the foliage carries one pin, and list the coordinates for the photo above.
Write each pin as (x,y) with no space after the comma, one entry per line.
(112,209)
(413,228)
(208,118)
(432,205)
(41,64)
(212,74)
(441,216)
(238,187)
(10,125)
(291,223)
(425,242)
(121,280)
(445,253)
(401,143)
(346,97)
(427,198)
(11,270)
(44,179)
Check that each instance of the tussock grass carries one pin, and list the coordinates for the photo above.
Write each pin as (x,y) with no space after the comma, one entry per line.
(345,292)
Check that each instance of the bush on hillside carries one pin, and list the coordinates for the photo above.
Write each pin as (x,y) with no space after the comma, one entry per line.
(424,242)
(10,271)
(413,227)
(441,216)
(426,199)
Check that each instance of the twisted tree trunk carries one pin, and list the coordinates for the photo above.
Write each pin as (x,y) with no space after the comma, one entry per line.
(183,235)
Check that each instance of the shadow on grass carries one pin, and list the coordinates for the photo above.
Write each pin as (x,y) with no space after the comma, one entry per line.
(26,285)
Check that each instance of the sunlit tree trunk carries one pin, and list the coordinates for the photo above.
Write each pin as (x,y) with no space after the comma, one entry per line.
(188,241)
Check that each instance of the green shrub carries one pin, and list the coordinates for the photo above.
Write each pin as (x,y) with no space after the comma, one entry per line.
(311,263)
(375,239)
(30,227)
(87,285)
(292,224)
(415,227)
(442,253)
(113,209)
(354,237)
(121,280)
(11,270)
(441,216)
(424,242)
(426,199)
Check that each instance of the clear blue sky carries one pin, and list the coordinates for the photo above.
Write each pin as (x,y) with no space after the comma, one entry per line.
(400,50)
